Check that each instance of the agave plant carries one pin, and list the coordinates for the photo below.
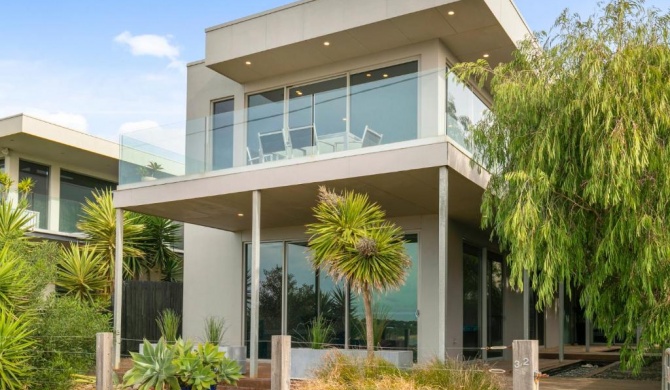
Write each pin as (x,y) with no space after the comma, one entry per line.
(154,369)
(16,346)
(82,272)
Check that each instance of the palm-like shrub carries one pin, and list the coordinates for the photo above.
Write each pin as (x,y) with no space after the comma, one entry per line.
(98,222)
(82,272)
(351,240)
(159,237)
(15,288)
(16,351)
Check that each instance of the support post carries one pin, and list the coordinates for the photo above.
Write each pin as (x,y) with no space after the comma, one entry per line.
(484,296)
(587,339)
(347,320)
(281,363)
(525,364)
(561,321)
(103,361)
(255,277)
(118,286)
(526,306)
(442,256)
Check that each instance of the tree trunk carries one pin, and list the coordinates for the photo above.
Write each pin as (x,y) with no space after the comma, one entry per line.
(369,334)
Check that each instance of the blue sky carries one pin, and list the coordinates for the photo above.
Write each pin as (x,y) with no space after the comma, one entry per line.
(106,67)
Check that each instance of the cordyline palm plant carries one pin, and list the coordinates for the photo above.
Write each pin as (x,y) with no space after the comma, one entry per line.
(98,222)
(351,240)
(14,220)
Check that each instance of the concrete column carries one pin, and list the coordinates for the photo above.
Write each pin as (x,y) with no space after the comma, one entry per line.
(103,361)
(280,378)
(442,257)
(118,287)
(526,306)
(525,365)
(484,297)
(561,321)
(255,280)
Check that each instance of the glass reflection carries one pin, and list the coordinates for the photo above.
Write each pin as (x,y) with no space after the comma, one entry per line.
(265,114)
(471,298)
(222,134)
(464,109)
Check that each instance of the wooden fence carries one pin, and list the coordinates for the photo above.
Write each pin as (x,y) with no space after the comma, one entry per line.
(142,302)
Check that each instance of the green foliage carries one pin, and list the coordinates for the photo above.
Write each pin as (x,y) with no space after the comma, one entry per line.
(15,287)
(16,346)
(319,333)
(159,237)
(39,260)
(340,372)
(66,332)
(154,369)
(98,223)
(577,143)
(351,240)
(168,366)
(14,223)
(215,328)
(82,272)
(168,323)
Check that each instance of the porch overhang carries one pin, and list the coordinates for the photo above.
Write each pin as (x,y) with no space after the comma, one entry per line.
(404,181)
(293,37)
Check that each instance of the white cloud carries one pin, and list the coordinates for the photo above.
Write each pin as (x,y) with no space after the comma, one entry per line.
(66,119)
(150,45)
(130,127)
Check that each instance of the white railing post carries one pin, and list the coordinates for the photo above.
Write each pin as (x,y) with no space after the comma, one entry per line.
(525,365)
(103,361)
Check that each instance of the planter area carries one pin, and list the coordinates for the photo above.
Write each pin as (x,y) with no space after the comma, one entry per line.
(305,360)
(236,353)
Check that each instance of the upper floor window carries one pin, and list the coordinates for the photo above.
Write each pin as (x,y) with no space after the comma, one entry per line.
(464,109)
(222,134)
(74,189)
(38,199)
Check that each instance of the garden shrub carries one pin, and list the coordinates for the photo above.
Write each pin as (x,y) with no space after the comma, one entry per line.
(342,372)
(66,334)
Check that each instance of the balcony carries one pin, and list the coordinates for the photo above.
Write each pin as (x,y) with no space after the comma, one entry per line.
(352,113)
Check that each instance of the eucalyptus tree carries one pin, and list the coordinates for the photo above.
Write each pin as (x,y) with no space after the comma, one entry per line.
(351,240)
(578,145)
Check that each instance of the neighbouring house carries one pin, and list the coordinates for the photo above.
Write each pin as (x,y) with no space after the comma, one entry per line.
(352,95)
(66,165)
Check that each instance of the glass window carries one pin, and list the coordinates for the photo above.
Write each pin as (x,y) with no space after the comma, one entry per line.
(464,109)
(2,164)
(471,297)
(270,295)
(74,189)
(495,302)
(386,101)
(265,114)
(394,312)
(222,134)
(38,200)
(322,105)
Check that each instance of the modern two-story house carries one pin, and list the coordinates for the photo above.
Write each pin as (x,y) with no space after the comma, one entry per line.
(66,166)
(352,95)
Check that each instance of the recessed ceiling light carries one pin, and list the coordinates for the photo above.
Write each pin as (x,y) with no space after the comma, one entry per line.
(485,55)
(326,43)
(368,75)
(385,75)
(299,93)
(248,62)
(240,215)
(451,13)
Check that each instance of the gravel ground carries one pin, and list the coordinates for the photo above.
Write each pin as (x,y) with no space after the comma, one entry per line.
(582,370)
(650,372)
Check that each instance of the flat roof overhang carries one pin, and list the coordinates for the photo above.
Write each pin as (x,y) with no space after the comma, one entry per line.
(30,136)
(291,38)
(405,182)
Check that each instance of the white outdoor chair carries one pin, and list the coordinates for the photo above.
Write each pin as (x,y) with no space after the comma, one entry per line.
(272,145)
(370,137)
